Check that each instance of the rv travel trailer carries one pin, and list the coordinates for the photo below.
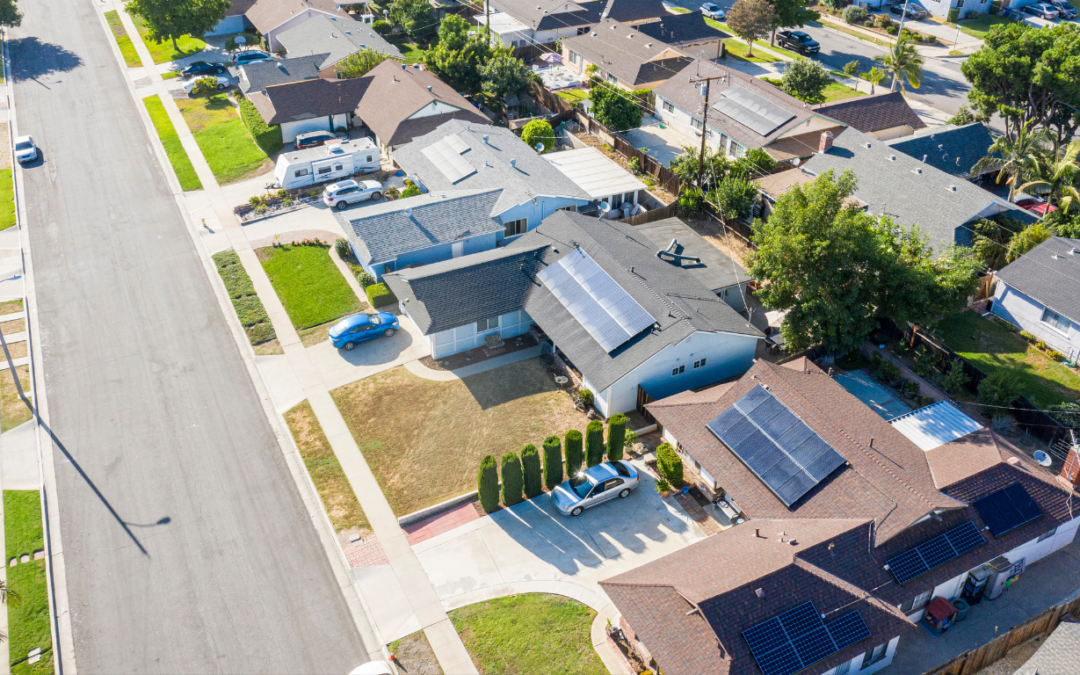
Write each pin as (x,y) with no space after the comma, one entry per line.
(336,159)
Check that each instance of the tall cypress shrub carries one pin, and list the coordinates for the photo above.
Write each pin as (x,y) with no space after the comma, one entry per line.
(552,462)
(511,479)
(616,437)
(530,466)
(669,463)
(594,443)
(487,483)
(572,447)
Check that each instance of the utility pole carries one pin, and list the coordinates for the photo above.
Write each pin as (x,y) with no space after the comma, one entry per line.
(487,20)
(903,15)
(705,121)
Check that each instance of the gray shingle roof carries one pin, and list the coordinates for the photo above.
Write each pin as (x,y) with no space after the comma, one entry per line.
(336,37)
(679,28)
(954,150)
(1050,274)
(384,231)
(889,184)
(716,270)
(541,14)
(1056,656)
(259,76)
(533,176)
(873,113)
(627,53)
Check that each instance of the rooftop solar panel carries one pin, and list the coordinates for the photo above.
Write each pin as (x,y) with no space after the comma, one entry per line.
(798,638)
(602,307)
(775,444)
(752,110)
(918,561)
(445,154)
(1007,509)
(848,630)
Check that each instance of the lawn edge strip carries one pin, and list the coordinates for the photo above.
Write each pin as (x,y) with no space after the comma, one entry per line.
(174,149)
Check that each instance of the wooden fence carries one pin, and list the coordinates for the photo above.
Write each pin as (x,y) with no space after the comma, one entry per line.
(972,661)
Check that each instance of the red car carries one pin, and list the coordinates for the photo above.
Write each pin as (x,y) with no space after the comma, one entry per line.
(1041,209)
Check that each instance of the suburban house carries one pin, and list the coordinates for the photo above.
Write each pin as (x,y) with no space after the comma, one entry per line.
(463,155)
(628,321)
(520,23)
(852,532)
(1040,293)
(884,116)
(628,58)
(234,21)
(908,190)
(689,32)
(744,112)
(309,105)
(334,38)
(271,18)
(256,77)
(602,179)
(954,150)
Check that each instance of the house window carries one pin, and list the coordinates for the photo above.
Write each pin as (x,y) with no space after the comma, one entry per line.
(301,172)
(670,107)
(487,324)
(960,3)
(1049,533)
(369,158)
(582,30)
(573,57)
(572,207)
(737,150)
(875,655)
(920,600)
(842,669)
(1055,321)
(678,371)
(696,123)
(612,79)
(516,227)
(699,364)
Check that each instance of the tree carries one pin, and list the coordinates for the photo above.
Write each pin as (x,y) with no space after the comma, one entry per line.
(530,466)
(1015,158)
(358,63)
(851,69)
(512,479)
(790,13)
(504,74)
(1057,173)
(487,484)
(415,17)
(754,162)
(553,472)
(669,464)
(1028,75)
(685,166)
(613,107)
(539,132)
(999,390)
(751,20)
(734,197)
(955,379)
(170,19)
(874,76)
(9,13)
(806,80)
(903,62)
(457,58)
(616,437)
(991,237)
(572,446)
(594,443)
(1027,239)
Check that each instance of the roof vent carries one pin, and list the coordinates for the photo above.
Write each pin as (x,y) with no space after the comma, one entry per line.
(429,87)
(924,158)
(592,34)
(486,140)
(760,592)
(513,163)
(404,67)
(631,36)
(648,44)
(892,158)
(612,26)
(952,188)
(868,145)
(917,170)
(408,212)
(1074,251)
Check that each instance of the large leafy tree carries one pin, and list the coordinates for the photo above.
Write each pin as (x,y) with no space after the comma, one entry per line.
(170,19)
(1028,75)
(751,20)
(1057,175)
(904,63)
(806,80)
(1016,159)
(791,13)
(613,107)
(685,166)
(358,63)
(458,58)
(415,17)
(9,13)
(504,74)
(1027,239)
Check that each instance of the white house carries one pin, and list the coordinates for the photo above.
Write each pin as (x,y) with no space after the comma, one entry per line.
(520,23)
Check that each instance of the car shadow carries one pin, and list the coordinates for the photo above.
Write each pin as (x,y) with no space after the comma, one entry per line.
(34,163)
(376,352)
(32,59)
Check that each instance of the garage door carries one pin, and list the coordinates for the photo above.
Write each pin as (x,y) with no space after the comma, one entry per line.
(290,130)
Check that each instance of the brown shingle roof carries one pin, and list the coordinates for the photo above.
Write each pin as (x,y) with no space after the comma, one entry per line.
(964,457)
(266,15)
(873,113)
(308,98)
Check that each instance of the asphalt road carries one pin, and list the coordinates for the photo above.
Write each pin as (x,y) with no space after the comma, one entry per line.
(187,546)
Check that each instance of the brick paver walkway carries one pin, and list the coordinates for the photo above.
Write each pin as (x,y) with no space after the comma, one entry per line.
(443,522)
(367,553)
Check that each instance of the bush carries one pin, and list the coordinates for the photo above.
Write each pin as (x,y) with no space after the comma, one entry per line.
(854,14)
(512,479)
(391,192)
(616,437)
(669,463)
(572,445)
(594,443)
(734,198)
(411,191)
(204,86)
(364,278)
(586,396)
(487,484)
(539,131)
(379,295)
(268,138)
(892,29)
(663,486)
(1003,424)
(954,14)
(955,379)
(553,474)
(926,362)
(998,390)
(382,27)
(342,248)
(530,466)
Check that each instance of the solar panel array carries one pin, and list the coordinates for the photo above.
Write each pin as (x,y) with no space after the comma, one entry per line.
(445,154)
(775,444)
(918,561)
(1007,509)
(752,110)
(595,300)
(798,638)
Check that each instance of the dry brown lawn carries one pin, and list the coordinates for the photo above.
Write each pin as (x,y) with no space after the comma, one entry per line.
(11,306)
(13,410)
(415,655)
(424,439)
(12,327)
(309,337)
(268,348)
(333,486)
(18,349)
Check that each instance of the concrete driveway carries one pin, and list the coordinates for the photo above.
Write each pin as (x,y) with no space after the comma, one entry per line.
(664,144)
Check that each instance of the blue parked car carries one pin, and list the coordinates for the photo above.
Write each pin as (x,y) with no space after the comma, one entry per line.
(351,330)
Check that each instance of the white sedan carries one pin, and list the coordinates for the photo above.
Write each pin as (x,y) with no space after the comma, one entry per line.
(713,11)
(25,150)
(222,83)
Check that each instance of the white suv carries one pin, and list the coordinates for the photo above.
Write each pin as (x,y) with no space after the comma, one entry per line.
(340,195)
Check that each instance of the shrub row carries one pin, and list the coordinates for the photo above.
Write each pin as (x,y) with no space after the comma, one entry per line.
(379,295)
(268,138)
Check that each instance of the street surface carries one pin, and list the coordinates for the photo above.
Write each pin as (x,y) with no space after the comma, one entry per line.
(186,543)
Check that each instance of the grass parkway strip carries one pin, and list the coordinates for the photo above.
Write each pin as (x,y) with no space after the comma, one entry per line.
(123,41)
(248,306)
(28,617)
(13,410)
(181,163)
(7,199)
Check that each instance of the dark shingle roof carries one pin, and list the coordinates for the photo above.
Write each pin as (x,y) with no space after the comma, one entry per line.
(628,54)
(307,99)
(1049,274)
(678,29)
(873,113)
(259,76)
(953,150)
(716,271)
(335,37)
(542,14)
(384,231)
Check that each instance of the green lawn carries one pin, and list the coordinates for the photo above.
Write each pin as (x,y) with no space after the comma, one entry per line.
(225,142)
(266,137)
(778,49)
(529,633)
(991,346)
(178,157)
(170,75)
(28,619)
(7,199)
(573,96)
(978,28)
(309,284)
(249,309)
(127,49)
(412,52)
(163,52)
(838,92)
(740,51)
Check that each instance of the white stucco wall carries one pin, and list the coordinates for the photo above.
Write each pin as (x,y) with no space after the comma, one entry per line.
(536,213)
(466,337)
(434,108)
(682,121)
(1020,310)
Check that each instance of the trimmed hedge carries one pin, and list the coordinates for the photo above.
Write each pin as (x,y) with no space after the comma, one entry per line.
(268,138)
(512,479)
(594,443)
(552,462)
(379,295)
(669,464)
(572,445)
(616,437)
(530,466)
(487,483)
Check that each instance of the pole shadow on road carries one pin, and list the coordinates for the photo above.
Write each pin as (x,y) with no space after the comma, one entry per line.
(32,59)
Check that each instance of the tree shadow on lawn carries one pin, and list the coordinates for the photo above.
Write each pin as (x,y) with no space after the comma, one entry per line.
(492,388)
(31,59)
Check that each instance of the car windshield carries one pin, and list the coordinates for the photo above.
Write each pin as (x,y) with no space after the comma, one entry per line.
(374,319)
(581,485)
(25,145)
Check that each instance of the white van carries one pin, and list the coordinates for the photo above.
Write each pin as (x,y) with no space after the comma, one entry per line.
(336,159)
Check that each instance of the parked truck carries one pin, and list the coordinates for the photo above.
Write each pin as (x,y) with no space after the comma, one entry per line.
(336,159)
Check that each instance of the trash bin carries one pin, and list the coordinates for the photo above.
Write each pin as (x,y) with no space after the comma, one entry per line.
(962,609)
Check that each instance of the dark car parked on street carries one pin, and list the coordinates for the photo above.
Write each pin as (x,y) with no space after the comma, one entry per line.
(798,41)
(200,68)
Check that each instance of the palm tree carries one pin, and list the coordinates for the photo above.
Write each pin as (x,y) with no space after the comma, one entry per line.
(874,76)
(1057,172)
(903,62)
(8,596)
(1015,160)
